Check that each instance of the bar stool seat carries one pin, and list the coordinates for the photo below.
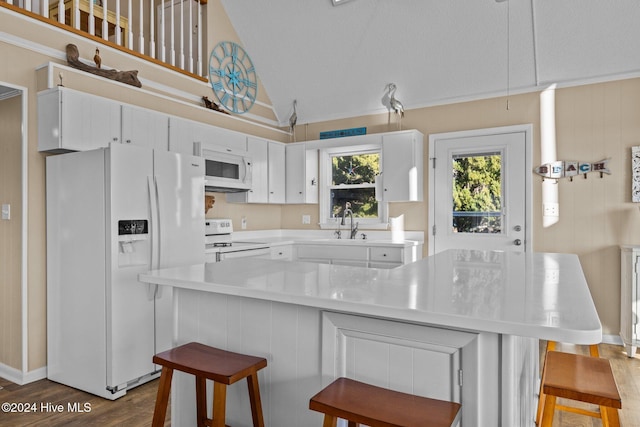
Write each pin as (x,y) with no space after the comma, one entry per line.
(361,403)
(581,378)
(209,363)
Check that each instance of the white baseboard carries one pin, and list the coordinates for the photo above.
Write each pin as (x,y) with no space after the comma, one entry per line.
(612,339)
(18,377)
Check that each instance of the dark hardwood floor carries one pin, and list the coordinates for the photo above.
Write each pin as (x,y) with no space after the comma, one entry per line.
(136,407)
(133,409)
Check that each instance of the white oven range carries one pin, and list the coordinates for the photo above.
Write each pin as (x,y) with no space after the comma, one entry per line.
(219,243)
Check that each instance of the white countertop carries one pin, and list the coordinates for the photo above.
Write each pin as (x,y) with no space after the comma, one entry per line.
(539,295)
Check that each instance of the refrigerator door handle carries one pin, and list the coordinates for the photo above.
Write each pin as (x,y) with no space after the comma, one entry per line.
(155,229)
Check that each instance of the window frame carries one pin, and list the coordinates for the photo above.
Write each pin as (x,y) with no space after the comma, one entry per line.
(325,187)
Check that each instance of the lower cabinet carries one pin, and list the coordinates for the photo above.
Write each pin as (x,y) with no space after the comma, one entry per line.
(356,255)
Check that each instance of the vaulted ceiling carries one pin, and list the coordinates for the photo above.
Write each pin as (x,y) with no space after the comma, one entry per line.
(337,60)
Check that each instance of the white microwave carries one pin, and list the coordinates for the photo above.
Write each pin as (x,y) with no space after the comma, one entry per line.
(226,171)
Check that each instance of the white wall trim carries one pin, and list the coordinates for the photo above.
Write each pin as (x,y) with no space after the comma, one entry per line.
(24,279)
(21,378)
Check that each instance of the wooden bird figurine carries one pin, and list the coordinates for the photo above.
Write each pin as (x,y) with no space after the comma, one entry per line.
(293,120)
(97,59)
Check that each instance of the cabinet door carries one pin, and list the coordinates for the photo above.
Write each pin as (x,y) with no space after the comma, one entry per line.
(294,171)
(145,127)
(87,121)
(259,152)
(276,172)
(402,168)
(301,173)
(181,136)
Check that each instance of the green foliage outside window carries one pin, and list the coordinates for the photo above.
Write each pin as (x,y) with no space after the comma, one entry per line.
(477,192)
(352,180)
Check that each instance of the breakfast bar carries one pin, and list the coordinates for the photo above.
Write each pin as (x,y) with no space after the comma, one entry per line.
(461,325)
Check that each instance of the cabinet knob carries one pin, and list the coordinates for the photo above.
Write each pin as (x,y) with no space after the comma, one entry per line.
(128,141)
(115,138)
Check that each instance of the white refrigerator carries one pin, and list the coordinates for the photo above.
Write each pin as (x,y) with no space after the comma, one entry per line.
(113,213)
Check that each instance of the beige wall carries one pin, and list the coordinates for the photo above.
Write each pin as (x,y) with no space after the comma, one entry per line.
(11,232)
(593,122)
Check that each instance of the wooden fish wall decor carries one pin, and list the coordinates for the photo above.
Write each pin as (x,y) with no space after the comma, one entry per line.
(568,169)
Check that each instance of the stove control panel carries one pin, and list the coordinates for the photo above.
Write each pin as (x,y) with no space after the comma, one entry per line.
(218,226)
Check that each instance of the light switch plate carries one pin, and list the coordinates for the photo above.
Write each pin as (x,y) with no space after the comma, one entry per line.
(6,211)
(306,219)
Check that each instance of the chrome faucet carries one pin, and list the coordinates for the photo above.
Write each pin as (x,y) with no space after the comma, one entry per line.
(347,211)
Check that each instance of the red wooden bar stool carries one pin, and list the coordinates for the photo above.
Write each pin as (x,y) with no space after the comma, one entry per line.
(580,378)
(361,403)
(209,363)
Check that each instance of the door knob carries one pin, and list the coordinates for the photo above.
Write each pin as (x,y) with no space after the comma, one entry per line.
(517,242)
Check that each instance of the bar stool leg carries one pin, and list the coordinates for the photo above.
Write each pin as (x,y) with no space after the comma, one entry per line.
(201,401)
(549,409)
(610,417)
(329,421)
(254,397)
(219,404)
(551,346)
(162,398)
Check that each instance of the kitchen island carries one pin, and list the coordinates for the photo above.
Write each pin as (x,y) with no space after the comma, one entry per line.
(461,325)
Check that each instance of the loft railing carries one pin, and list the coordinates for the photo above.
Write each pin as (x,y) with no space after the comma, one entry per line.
(167,30)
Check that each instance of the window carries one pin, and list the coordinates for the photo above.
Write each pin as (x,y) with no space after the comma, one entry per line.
(348,176)
(477,193)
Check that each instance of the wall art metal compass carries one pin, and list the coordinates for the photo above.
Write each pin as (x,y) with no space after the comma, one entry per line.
(232,77)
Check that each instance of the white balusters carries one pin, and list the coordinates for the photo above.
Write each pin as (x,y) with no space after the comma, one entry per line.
(76,14)
(140,27)
(152,33)
(182,35)
(61,11)
(172,52)
(92,21)
(105,21)
(172,35)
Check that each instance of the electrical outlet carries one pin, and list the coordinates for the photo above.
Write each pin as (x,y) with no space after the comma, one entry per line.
(306,219)
(550,209)
(243,223)
(6,211)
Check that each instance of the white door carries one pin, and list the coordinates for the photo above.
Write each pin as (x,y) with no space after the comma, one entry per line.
(480,190)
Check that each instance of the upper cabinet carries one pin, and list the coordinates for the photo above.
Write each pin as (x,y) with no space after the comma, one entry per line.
(189,137)
(69,120)
(268,173)
(401,176)
(276,172)
(301,174)
(145,127)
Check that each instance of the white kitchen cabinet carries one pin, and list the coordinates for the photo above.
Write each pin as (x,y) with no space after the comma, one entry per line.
(357,254)
(144,127)
(276,172)
(282,252)
(267,177)
(401,176)
(629,298)
(69,120)
(301,166)
(184,134)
